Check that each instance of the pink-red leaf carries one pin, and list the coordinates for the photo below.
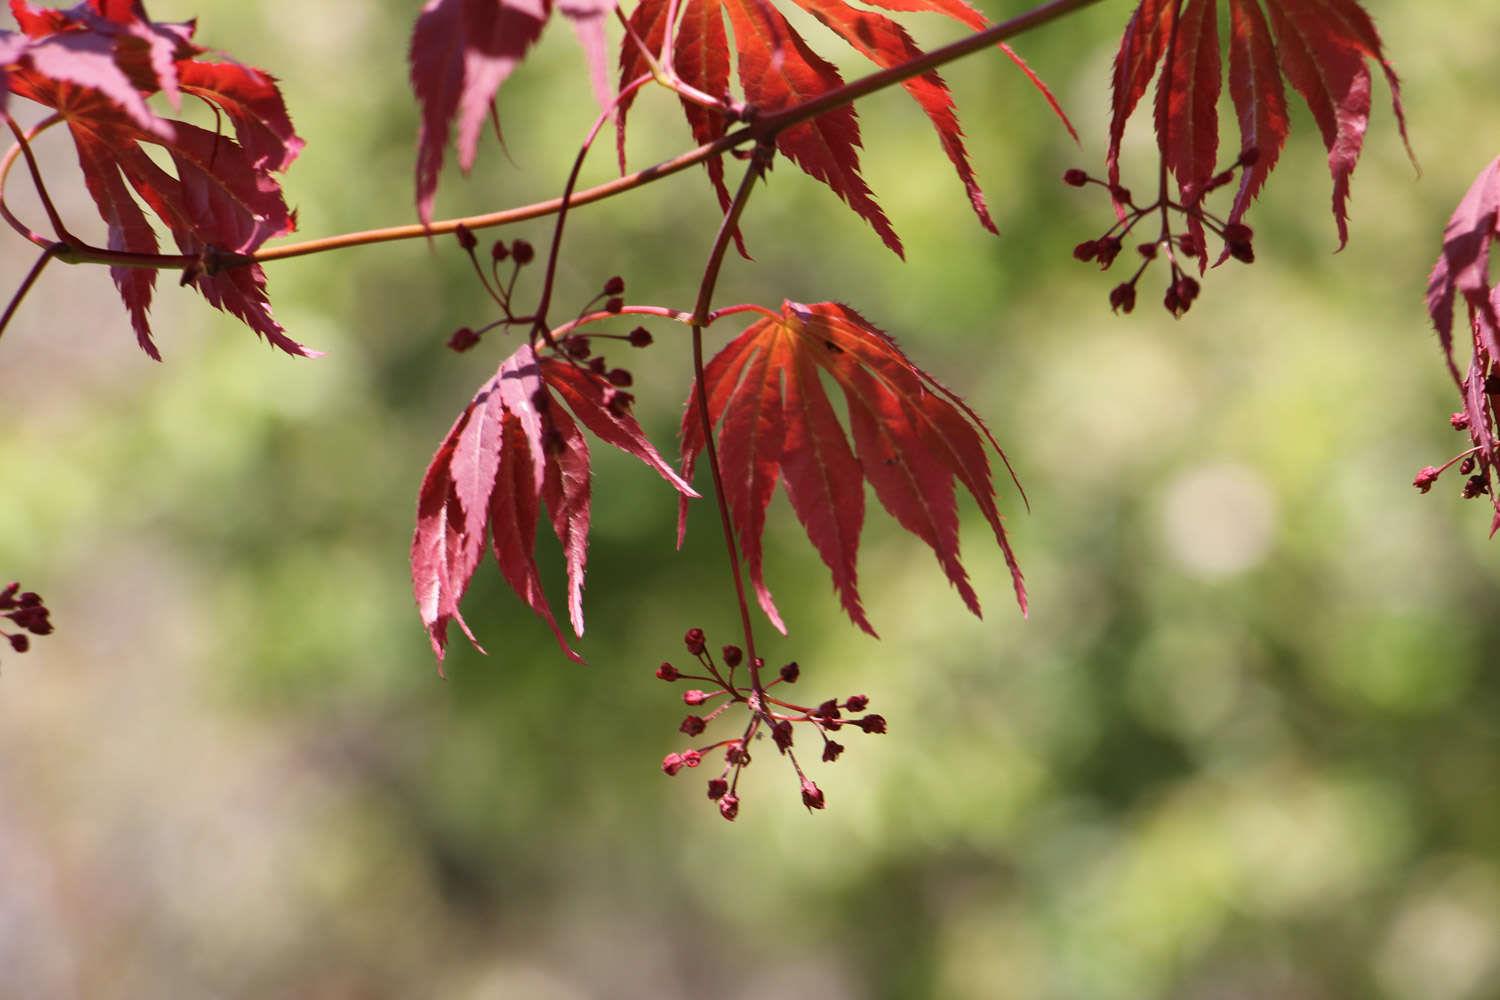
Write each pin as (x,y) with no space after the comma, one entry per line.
(778,70)
(912,438)
(512,450)
(1259,100)
(96,64)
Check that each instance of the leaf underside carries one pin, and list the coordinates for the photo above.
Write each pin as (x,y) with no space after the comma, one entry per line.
(911,438)
(95,65)
(516,448)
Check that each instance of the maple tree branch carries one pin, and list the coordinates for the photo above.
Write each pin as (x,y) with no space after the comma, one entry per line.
(764,151)
(48,253)
(23,148)
(539,324)
(767,126)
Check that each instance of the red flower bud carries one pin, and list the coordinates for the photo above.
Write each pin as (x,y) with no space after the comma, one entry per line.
(694,640)
(614,305)
(1249,157)
(729,807)
(671,764)
(1459,420)
(828,709)
(463,338)
(667,672)
(614,286)
(694,697)
(1122,297)
(499,251)
(1238,232)
(640,337)
(692,725)
(791,672)
(1086,251)
(812,795)
(781,734)
(733,655)
(1075,178)
(1242,252)
(523,252)
(831,751)
(466,238)
(872,723)
(856,702)
(619,377)
(1426,478)
(717,788)
(20,643)
(1109,249)
(577,347)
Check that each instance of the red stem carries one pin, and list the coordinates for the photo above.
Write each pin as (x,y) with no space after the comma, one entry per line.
(36,272)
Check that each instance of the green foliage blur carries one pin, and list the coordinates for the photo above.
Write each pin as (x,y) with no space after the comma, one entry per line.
(1246,745)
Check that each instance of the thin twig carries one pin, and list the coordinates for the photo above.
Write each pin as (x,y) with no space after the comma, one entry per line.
(36,272)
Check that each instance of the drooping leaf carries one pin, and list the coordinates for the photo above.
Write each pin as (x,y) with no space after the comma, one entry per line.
(912,438)
(96,64)
(1463,270)
(778,70)
(462,51)
(513,450)
(1321,47)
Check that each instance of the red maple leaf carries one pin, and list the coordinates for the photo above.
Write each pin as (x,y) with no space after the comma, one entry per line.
(514,449)
(462,51)
(96,64)
(1463,270)
(777,70)
(1322,47)
(912,437)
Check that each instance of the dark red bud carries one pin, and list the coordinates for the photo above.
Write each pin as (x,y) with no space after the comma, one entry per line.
(619,403)
(857,702)
(1109,249)
(1466,466)
(499,251)
(596,365)
(20,642)
(872,723)
(828,709)
(791,672)
(691,758)
(1242,252)
(812,795)
(695,641)
(1459,420)
(1173,301)
(619,377)
(694,697)
(1086,251)
(1189,244)
(463,338)
(577,347)
(736,754)
(614,305)
(692,725)
(1120,193)
(717,788)
(1122,297)
(1238,232)
(1148,250)
(614,286)
(781,734)
(729,807)
(1249,157)
(1426,478)
(667,672)
(733,655)
(1075,178)
(465,237)
(8,594)
(1474,486)
(671,764)
(831,751)
(640,337)
(522,251)
(1188,289)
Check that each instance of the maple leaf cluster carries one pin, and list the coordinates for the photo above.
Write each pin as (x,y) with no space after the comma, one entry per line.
(96,65)
(1463,271)
(912,438)
(463,50)
(514,449)
(1323,48)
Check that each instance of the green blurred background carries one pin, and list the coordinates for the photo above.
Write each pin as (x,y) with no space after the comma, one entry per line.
(1246,746)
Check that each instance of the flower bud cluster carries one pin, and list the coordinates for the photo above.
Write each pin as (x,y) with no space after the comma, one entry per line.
(519,253)
(23,610)
(767,714)
(1179,248)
